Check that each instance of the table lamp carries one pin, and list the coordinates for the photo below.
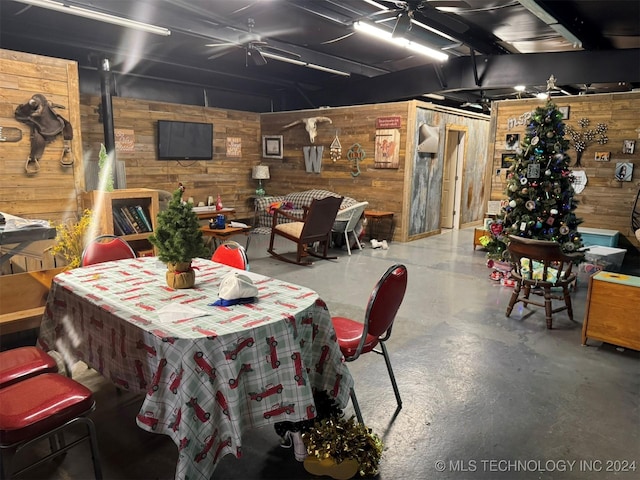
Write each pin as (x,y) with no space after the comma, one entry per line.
(260,172)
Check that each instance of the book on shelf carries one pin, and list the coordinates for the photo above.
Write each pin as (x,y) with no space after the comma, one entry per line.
(143,215)
(142,227)
(122,222)
(130,219)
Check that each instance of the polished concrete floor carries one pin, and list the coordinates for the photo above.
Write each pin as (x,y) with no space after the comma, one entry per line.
(485,396)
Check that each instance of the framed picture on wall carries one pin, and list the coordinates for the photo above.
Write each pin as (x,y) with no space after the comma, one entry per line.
(624,171)
(508,159)
(628,146)
(511,141)
(272,146)
(602,156)
(565,112)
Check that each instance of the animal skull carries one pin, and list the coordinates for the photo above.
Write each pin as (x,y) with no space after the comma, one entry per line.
(310,125)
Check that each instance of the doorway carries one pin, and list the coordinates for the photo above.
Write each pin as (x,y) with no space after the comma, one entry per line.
(454,159)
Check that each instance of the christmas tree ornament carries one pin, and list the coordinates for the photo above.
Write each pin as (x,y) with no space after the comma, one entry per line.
(547,172)
(564,230)
(512,203)
(534,141)
(523,181)
(531,205)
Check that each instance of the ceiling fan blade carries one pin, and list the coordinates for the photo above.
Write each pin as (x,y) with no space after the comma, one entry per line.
(334,40)
(223,44)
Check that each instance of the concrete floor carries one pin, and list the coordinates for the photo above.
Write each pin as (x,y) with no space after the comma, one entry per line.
(481,391)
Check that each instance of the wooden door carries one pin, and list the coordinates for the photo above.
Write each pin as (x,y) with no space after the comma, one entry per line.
(449,180)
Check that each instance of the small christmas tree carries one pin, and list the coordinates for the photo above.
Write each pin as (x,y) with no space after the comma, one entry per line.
(540,196)
(177,236)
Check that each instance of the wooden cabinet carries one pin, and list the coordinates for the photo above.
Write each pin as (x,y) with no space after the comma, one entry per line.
(104,204)
(477,233)
(611,315)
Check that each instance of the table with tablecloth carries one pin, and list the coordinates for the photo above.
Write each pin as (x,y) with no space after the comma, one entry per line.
(206,379)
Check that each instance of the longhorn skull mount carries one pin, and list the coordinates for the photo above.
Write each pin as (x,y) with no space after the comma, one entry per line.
(310,125)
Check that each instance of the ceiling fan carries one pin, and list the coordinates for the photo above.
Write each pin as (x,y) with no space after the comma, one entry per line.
(256,50)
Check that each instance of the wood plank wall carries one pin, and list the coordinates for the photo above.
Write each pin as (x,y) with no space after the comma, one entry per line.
(605,202)
(382,188)
(49,194)
(229,177)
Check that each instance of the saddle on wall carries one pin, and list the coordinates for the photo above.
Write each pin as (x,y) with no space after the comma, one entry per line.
(45,125)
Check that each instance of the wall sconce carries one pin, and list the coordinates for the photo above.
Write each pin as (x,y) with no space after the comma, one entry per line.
(260,172)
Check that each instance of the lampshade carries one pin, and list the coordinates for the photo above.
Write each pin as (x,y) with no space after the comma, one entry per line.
(260,172)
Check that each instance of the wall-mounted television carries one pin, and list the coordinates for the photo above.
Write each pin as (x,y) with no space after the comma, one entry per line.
(185,140)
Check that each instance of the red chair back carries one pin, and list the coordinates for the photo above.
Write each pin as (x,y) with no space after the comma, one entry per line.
(385,300)
(232,254)
(106,248)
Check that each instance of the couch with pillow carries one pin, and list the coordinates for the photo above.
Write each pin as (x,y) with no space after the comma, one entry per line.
(293,203)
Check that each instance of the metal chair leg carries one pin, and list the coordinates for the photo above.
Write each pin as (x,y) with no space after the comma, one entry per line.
(356,407)
(391,375)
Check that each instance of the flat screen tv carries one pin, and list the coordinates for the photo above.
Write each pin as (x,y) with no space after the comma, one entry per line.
(185,140)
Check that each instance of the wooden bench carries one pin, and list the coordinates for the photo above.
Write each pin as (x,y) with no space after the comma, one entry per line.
(22,299)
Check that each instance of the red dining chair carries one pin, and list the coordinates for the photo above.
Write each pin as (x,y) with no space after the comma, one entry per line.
(24,362)
(232,254)
(106,248)
(39,408)
(356,338)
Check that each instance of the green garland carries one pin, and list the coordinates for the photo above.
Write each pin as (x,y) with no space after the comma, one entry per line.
(341,440)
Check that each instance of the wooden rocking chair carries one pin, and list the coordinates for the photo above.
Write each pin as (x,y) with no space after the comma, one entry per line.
(315,227)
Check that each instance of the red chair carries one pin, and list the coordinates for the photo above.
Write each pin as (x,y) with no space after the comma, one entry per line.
(24,362)
(356,338)
(42,407)
(106,248)
(232,254)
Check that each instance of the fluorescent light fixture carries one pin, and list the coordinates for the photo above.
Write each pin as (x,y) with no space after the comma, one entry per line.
(376,4)
(434,96)
(304,64)
(519,88)
(551,21)
(99,16)
(401,42)
(433,30)
(542,96)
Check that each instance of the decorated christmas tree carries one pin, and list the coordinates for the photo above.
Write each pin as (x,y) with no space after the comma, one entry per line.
(541,200)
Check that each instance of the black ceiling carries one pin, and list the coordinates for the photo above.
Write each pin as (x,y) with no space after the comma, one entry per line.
(492,46)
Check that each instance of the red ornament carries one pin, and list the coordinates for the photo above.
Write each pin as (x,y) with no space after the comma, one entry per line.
(496,228)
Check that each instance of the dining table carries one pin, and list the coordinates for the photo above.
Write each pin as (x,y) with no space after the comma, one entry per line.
(208,373)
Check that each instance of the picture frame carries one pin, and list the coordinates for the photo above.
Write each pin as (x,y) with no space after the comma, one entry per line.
(508,159)
(511,141)
(602,156)
(565,112)
(272,146)
(628,146)
(624,171)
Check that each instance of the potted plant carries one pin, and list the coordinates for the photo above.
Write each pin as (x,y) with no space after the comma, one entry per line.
(341,448)
(178,240)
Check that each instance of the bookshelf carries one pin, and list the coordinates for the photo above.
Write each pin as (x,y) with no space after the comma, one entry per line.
(129,213)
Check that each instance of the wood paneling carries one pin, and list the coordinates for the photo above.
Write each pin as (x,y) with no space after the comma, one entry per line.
(49,194)
(605,202)
(229,177)
(384,189)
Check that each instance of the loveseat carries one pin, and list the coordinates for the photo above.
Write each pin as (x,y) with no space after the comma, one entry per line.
(294,203)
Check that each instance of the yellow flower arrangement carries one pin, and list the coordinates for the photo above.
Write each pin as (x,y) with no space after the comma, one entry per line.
(70,239)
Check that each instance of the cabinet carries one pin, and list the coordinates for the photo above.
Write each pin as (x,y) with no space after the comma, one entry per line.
(104,204)
(477,234)
(612,310)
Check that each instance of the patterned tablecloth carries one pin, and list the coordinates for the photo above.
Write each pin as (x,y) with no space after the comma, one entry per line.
(208,378)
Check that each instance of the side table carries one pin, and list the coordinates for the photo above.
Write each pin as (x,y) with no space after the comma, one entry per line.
(224,233)
(374,217)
